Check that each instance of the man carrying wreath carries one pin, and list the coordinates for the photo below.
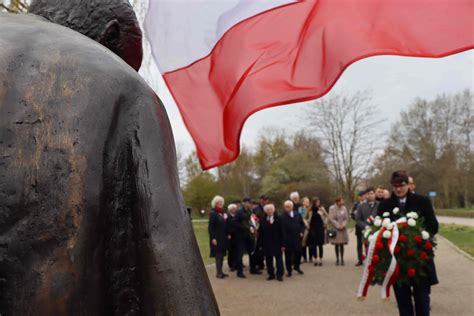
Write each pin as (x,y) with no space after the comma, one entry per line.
(407,201)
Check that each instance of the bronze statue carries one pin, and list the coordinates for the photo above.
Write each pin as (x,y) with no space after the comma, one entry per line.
(92,221)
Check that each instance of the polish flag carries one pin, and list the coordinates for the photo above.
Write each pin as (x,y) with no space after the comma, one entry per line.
(223,60)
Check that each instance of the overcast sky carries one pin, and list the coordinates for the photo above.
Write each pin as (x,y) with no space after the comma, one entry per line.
(393,81)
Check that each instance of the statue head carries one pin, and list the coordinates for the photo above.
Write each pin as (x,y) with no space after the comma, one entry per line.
(112,23)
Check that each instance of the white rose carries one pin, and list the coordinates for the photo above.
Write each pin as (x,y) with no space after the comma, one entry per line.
(415,215)
(378,217)
(371,238)
(411,222)
(396,210)
(366,233)
(385,222)
(387,234)
(425,235)
(386,214)
(410,214)
(390,226)
(378,222)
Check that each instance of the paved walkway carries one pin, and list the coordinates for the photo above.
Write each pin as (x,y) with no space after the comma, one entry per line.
(331,290)
(456,220)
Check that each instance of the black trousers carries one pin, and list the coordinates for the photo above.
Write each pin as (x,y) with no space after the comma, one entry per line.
(232,256)
(219,262)
(420,293)
(279,265)
(359,246)
(315,251)
(242,247)
(292,260)
(259,258)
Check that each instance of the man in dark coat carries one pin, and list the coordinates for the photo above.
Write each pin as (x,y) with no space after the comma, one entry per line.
(293,226)
(92,220)
(271,238)
(245,238)
(260,213)
(368,208)
(410,202)
(232,246)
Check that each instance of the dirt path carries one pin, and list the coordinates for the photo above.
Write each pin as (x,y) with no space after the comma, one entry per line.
(456,220)
(331,290)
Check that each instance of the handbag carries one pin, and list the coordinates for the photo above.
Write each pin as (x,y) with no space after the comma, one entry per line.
(332,233)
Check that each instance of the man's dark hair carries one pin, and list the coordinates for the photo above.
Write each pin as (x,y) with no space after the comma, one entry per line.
(370,189)
(247,199)
(399,177)
(92,18)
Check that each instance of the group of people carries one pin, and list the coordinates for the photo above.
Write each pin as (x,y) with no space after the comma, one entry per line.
(297,233)
(302,229)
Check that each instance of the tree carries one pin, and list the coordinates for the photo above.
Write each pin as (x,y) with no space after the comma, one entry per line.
(271,145)
(238,178)
(14,6)
(432,140)
(347,126)
(200,190)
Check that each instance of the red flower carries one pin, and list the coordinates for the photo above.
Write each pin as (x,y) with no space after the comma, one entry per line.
(371,268)
(410,252)
(411,272)
(397,249)
(428,245)
(423,255)
(418,238)
(402,238)
(378,245)
(375,259)
(363,257)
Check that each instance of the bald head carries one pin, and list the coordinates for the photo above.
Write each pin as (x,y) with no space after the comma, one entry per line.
(112,23)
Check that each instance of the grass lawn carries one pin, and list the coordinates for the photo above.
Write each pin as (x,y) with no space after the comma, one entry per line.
(202,236)
(456,212)
(461,236)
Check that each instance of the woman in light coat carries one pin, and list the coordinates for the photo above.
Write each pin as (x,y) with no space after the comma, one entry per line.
(306,219)
(338,218)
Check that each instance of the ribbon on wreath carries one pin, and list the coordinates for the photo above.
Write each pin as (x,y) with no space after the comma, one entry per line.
(393,269)
(369,271)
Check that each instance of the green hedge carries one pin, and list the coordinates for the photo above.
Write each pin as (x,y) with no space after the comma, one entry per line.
(456,212)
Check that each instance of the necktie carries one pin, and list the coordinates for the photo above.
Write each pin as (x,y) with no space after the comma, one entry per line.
(402,206)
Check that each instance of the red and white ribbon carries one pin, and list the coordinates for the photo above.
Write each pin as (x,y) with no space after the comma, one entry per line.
(368,274)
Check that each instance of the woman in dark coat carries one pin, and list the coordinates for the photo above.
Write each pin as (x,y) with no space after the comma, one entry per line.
(317,228)
(218,232)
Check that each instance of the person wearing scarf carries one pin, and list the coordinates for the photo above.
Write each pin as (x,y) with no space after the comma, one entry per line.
(218,233)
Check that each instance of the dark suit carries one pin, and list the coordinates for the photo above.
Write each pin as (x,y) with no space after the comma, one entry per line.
(271,238)
(259,257)
(293,229)
(364,211)
(232,243)
(420,292)
(244,239)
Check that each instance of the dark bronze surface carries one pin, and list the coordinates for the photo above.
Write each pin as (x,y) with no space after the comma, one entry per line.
(92,221)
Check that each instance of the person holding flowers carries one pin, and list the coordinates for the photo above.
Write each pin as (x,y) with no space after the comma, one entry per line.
(417,209)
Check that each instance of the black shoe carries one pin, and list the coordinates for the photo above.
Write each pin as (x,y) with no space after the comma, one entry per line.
(225,275)
(316,264)
(256,272)
(241,275)
(358,264)
(280,278)
(288,274)
(220,276)
(271,277)
(342,263)
(299,271)
(320,264)
(337,262)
